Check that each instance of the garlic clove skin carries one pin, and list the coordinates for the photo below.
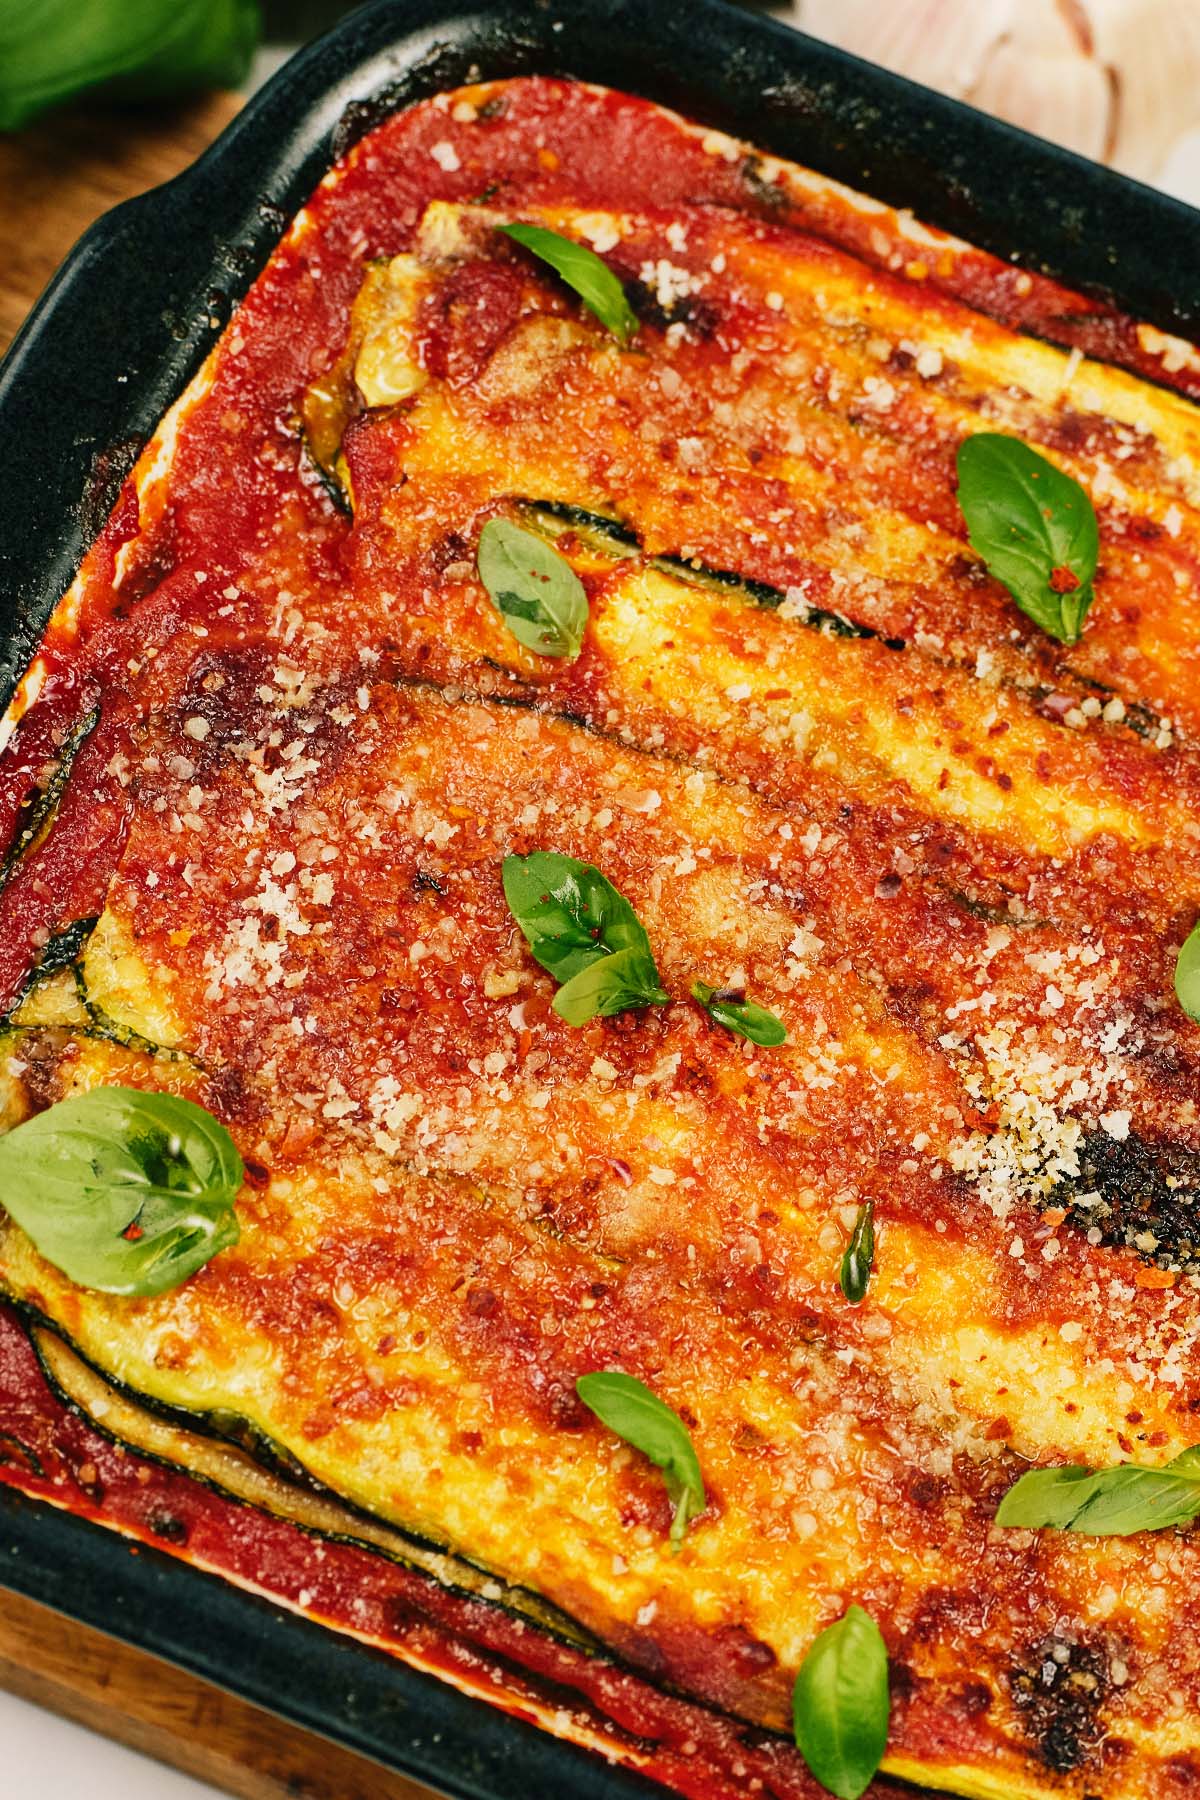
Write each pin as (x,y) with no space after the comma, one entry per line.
(1065,97)
(1151,49)
(942,45)
(1118,80)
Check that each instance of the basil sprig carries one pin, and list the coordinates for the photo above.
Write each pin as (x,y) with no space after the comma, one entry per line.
(730,1007)
(1187,974)
(582,270)
(841,1705)
(585,933)
(124,1191)
(534,589)
(1106,1502)
(619,983)
(854,1271)
(628,1407)
(1034,527)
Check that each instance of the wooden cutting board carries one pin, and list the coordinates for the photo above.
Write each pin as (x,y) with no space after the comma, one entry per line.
(158,1710)
(56,177)
(63,172)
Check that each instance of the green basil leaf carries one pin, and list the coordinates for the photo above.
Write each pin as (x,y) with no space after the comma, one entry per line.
(854,1271)
(1046,1497)
(135,49)
(841,1706)
(570,913)
(577,924)
(124,1191)
(536,592)
(731,1008)
(614,984)
(1034,527)
(1106,1502)
(582,270)
(1187,974)
(627,1406)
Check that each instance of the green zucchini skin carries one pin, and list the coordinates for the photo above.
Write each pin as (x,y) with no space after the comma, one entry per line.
(65,953)
(65,949)
(62,953)
(611,537)
(296,1494)
(44,806)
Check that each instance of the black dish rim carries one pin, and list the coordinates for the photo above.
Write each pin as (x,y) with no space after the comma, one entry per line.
(143,296)
(120,331)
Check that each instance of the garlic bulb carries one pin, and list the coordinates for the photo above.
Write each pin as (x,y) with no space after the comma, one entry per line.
(1118,80)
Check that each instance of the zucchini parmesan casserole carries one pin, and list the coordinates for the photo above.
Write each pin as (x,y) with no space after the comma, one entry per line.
(599,1070)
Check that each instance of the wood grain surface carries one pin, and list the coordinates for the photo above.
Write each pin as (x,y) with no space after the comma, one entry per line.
(154,1708)
(63,172)
(56,178)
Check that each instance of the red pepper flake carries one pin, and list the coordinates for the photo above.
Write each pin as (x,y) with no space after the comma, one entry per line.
(132,1233)
(1063,580)
(299,1135)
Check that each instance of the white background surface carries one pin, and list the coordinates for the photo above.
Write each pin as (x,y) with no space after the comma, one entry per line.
(43,1758)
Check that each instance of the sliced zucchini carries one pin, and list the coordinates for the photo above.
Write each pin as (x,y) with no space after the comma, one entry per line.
(377,368)
(120,994)
(91,981)
(43,805)
(50,995)
(611,539)
(52,1000)
(386,369)
(325,412)
(252,1474)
